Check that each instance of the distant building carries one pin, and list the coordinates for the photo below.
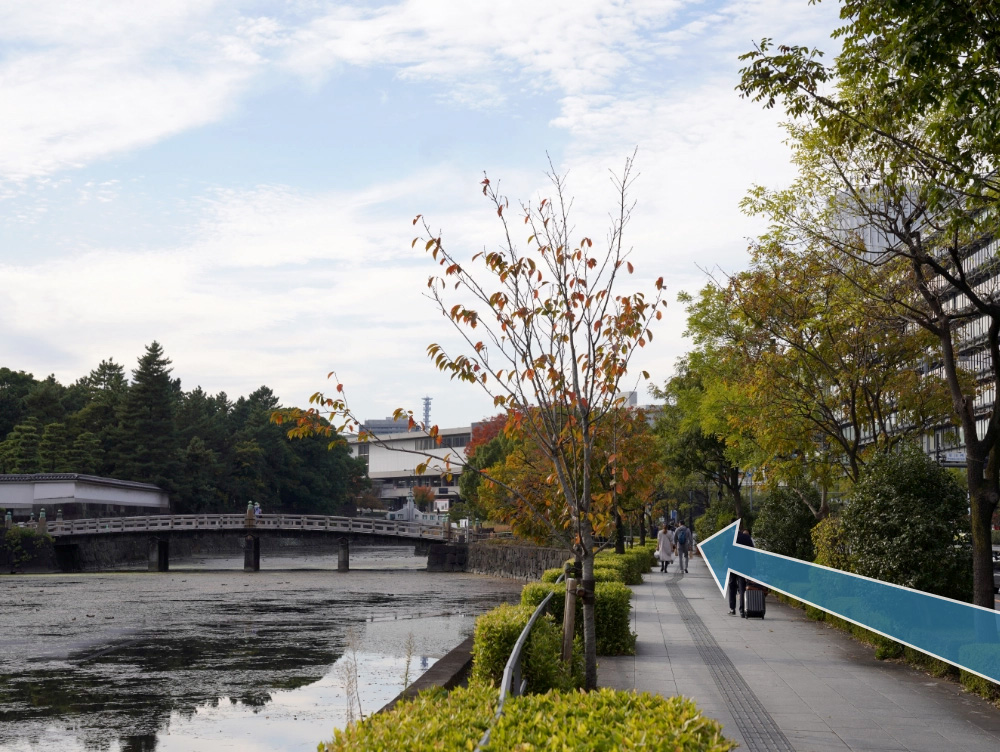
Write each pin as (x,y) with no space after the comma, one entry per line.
(379,426)
(393,459)
(409,513)
(79,496)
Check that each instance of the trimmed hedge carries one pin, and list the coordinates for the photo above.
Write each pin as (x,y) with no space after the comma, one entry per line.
(603,720)
(606,720)
(551,575)
(433,720)
(612,613)
(493,641)
(632,565)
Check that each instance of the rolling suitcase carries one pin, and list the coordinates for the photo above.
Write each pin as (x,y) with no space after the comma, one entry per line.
(755,604)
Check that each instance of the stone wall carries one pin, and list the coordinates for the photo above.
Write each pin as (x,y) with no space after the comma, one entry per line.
(517,562)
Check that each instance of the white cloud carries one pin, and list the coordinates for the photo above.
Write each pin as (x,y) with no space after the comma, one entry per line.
(279,284)
(80,82)
(572,45)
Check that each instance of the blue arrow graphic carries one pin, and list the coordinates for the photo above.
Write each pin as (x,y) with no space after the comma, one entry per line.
(964,635)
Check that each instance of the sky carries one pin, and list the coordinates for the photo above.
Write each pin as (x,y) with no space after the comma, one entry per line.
(237,180)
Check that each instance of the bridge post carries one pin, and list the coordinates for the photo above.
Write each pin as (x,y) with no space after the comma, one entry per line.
(251,553)
(159,554)
(344,556)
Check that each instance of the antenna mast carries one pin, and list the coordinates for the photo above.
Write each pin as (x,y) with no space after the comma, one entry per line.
(427,412)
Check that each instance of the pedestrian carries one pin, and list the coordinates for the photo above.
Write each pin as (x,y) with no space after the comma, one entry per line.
(682,537)
(256,510)
(737,583)
(665,547)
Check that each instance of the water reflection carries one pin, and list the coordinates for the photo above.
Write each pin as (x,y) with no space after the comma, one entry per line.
(215,659)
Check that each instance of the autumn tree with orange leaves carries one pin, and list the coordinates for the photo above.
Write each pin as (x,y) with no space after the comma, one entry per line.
(550,339)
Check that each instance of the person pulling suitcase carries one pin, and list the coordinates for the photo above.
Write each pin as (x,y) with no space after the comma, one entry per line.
(738,584)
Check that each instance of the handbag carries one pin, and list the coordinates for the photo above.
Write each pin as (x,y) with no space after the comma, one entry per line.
(657,555)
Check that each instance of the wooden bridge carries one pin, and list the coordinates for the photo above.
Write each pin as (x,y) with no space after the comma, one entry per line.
(70,535)
(208,522)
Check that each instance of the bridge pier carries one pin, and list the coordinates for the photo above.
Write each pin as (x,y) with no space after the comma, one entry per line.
(447,557)
(344,556)
(251,553)
(159,554)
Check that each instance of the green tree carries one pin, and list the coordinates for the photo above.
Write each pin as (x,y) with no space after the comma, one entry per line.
(784,523)
(22,448)
(792,367)
(916,79)
(198,480)
(907,523)
(898,151)
(52,449)
(549,336)
(689,449)
(105,390)
(45,401)
(481,457)
(148,430)
(14,387)
(84,455)
(423,498)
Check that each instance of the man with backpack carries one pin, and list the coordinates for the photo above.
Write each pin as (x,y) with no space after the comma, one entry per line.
(682,539)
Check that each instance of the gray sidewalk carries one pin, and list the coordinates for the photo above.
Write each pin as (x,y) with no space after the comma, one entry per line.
(786,682)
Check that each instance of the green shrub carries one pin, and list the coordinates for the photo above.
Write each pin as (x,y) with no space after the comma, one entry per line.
(494,636)
(20,545)
(551,575)
(628,568)
(830,544)
(979,685)
(930,664)
(608,574)
(784,522)
(434,720)
(904,524)
(496,632)
(627,720)
(637,563)
(612,613)
(979,653)
(604,720)
(613,619)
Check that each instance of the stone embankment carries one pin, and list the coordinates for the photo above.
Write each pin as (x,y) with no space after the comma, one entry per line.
(516,562)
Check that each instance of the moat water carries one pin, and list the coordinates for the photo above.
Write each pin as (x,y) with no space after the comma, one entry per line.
(207,657)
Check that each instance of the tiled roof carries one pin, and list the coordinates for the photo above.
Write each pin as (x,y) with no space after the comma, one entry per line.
(79,478)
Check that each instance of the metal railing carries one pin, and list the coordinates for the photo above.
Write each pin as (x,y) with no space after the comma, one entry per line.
(191,522)
(511,684)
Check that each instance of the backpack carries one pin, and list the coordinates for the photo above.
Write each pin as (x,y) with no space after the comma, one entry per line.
(682,536)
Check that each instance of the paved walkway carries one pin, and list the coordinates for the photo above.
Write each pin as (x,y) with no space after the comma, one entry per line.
(787,683)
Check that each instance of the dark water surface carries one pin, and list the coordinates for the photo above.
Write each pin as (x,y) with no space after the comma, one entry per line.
(207,657)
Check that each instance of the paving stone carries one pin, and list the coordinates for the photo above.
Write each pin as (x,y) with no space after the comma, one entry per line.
(788,683)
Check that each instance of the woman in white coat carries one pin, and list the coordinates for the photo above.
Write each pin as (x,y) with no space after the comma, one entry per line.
(665,547)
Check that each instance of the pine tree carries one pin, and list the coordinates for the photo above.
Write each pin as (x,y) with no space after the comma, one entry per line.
(45,401)
(52,448)
(14,387)
(22,448)
(148,432)
(85,455)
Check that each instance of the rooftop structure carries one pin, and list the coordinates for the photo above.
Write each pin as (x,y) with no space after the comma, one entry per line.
(79,496)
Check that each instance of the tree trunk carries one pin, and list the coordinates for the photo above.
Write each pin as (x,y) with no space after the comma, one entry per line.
(982,502)
(642,528)
(587,601)
(619,533)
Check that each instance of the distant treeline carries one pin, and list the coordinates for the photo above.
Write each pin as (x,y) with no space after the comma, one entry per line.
(209,453)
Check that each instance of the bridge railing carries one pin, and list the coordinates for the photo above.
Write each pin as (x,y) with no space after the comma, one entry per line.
(193,522)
